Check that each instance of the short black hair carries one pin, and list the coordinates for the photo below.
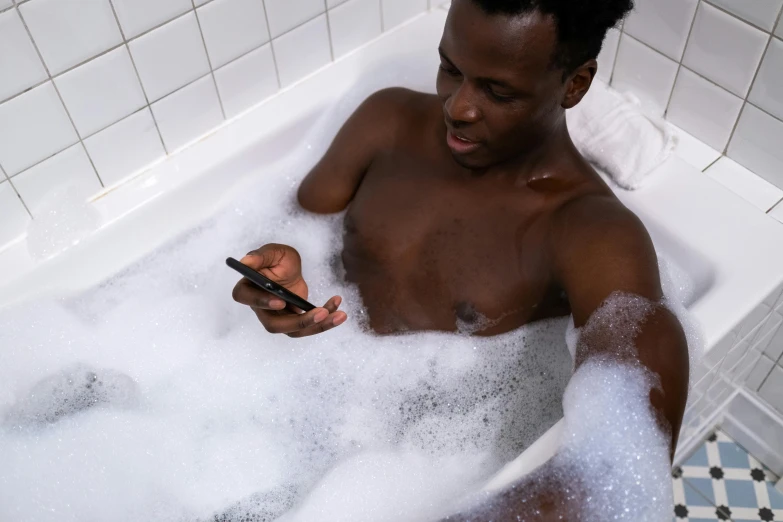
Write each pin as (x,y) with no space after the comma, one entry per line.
(581,24)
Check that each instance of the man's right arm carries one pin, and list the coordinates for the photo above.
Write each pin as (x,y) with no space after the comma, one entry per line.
(333,182)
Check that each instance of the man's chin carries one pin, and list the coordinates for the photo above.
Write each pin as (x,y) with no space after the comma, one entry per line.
(469,162)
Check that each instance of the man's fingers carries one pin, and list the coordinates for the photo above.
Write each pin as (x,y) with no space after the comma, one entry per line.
(332,321)
(247,293)
(333,304)
(264,257)
(290,323)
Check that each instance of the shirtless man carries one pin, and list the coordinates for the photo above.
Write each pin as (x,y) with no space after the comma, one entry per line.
(475,202)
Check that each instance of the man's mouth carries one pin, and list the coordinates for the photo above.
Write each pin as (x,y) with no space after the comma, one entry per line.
(460,144)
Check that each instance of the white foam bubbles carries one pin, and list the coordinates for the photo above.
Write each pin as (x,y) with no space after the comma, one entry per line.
(206,415)
(62,219)
(613,460)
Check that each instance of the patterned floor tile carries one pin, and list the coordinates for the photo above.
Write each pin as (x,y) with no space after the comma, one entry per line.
(690,505)
(721,481)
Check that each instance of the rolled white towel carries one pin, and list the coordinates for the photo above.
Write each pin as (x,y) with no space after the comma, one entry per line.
(610,130)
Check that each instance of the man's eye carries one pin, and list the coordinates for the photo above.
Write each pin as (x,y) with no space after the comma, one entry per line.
(499,97)
(449,70)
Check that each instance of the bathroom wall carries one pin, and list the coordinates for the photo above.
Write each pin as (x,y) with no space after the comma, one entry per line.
(92,91)
(714,68)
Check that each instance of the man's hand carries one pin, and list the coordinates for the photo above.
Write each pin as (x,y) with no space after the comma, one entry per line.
(282,264)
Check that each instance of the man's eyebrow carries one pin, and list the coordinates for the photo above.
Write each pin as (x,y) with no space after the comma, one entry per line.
(493,81)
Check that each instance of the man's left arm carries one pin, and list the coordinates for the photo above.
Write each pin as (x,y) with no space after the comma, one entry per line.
(599,248)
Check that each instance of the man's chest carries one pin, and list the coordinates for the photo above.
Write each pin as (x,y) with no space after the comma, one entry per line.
(451,249)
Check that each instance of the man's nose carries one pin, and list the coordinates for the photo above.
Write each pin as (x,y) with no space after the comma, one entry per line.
(461,106)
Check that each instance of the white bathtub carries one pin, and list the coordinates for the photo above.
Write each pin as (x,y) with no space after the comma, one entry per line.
(732,252)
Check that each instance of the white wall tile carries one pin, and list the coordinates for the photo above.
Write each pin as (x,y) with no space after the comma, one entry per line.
(66,34)
(188,113)
(645,72)
(13,217)
(101,91)
(20,66)
(5,4)
(284,15)
(170,56)
(779,29)
(703,109)
(125,147)
(70,168)
(232,28)
(762,13)
(354,23)
(772,389)
(247,80)
(33,125)
(334,3)
(751,188)
(759,373)
(757,144)
(724,49)
(662,24)
(137,16)
(608,54)
(767,91)
(396,12)
(302,50)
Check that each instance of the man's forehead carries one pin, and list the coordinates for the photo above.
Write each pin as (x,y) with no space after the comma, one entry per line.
(523,41)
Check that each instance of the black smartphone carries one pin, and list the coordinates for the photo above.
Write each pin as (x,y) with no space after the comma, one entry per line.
(270,286)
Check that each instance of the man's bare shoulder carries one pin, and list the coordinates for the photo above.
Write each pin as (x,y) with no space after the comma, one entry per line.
(595,236)
(597,212)
(397,107)
(398,98)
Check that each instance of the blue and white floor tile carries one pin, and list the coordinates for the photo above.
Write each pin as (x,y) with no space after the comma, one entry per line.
(721,481)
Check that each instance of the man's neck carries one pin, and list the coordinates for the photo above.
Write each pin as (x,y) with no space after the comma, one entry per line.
(552,157)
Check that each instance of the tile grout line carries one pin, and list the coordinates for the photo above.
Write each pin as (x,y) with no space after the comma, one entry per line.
(777,21)
(764,380)
(383,21)
(616,52)
(716,160)
(746,101)
(62,102)
(733,15)
(271,46)
(705,79)
(13,187)
(148,106)
(775,205)
(141,84)
(127,41)
(209,60)
(679,62)
(329,29)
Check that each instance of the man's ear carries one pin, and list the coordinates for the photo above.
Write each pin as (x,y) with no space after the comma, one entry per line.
(579,83)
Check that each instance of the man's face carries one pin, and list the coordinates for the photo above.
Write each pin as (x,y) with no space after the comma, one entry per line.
(499,91)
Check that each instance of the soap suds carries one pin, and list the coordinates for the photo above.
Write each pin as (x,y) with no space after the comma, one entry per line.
(202,415)
(613,461)
(155,397)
